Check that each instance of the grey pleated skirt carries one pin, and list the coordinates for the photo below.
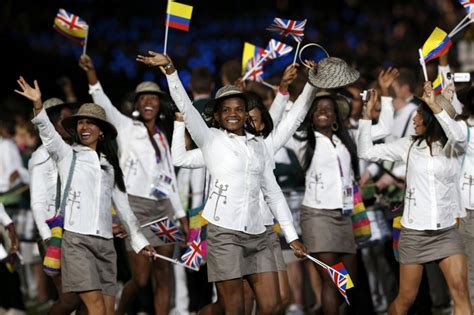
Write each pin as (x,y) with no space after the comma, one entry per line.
(327,231)
(234,254)
(148,210)
(276,247)
(420,247)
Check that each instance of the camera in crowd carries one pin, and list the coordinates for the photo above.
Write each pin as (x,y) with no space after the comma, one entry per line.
(458,76)
(364,95)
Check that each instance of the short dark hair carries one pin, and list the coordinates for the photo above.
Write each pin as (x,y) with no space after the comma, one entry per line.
(201,80)
(231,70)
(407,77)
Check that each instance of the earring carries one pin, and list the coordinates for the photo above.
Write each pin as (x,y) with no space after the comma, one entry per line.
(335,126)
(101,136)
(135,114)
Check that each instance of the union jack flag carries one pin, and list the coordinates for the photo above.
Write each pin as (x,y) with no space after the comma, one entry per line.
(469,6)
(288,27)
(166,231)
(257,73)
(71,26)
(192,257)
(341,278)
(276,49)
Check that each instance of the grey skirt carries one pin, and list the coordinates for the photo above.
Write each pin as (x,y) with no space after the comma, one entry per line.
(88,263)
(276,247)
(147,210)
(327,231)
(234,254)
(420,247)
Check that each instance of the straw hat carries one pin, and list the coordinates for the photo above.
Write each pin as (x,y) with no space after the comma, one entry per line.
(90,110)
(332,73)
(342,103)
(223,93)
(52,102)
(148,87)
(446,105)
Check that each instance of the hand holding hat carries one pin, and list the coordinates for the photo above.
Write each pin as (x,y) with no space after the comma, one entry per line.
(332,73)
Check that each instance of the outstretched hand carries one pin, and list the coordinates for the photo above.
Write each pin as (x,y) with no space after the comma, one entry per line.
(156,59)
(33,94)
(386,78)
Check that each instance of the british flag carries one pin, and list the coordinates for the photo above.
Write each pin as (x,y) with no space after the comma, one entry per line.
(192,257)
(469,6)
(257,73)
(341,278)
(276,49)
(288,27)
(166,231)
(71,26)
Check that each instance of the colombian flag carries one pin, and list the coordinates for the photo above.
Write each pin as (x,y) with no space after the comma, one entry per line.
(249,52)
(179,15)
(436,44)
(438,84)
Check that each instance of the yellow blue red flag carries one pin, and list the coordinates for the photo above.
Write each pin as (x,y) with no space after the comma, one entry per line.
(71,26)
(438,43)
(438,84)
(250,51)
(178,15)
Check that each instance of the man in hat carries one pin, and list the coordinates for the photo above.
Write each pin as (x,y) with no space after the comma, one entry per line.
(149,178)
(43,190)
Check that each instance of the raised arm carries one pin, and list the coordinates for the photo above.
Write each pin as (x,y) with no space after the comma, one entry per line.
(180,156)
(119,120)
(281,99)
(54,144)
(196,126)
(453,130)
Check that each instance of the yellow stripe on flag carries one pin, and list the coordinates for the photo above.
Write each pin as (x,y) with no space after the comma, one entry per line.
(349,283)
(179,9)
(247,54)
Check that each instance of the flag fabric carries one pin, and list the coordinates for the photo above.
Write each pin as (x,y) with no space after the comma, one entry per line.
(396,228)
(257,73)
(166,231)
(360,220)
(250,51)
(468,6)
(438,84)
(291,28)
(438,43)
(341,278)
(193,255)
(197,228)
(71,26)
(178,15)
(277,49)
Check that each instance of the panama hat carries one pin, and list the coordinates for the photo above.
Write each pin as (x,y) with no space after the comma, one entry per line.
(332,73)
(446,105)
(90,110)
(223,93)
(52,102)
(148,87)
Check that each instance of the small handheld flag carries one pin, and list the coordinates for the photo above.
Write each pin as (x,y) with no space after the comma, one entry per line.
(468,6)
(276,49)
(291,28)
(437,44)
(178,15)
(192,257)
(257,73)
(250,51)
(71,26)
(166,230)
(438,84)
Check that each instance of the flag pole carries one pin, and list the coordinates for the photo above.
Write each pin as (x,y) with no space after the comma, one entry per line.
(454,31)
(296,53)
(246,76)
(423,64)
(323,265)
(269,85)
(174,261)
(166,29)
(84,48)
(460,28)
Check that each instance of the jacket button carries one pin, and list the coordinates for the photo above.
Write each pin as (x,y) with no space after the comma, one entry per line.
(97,232)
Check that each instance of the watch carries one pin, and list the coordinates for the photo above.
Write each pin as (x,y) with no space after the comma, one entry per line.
(166,67)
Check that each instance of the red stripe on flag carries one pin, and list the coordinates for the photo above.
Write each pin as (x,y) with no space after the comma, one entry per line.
(179,26)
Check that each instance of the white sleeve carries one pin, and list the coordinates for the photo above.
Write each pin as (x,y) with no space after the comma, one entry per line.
(395,151)
(384,126)
(276,202)
(197,128)
(180,156)
(295,116)
(278,107)
(57,148)
(39,198)
(126,216)
(455,131)
(5,220)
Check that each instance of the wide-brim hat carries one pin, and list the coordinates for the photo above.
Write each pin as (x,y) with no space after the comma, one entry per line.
(93,111)
(147,87)
(223,93)
(52,102)
(332,73)
(446,105)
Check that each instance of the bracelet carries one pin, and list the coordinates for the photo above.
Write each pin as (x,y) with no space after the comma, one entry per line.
(166,67)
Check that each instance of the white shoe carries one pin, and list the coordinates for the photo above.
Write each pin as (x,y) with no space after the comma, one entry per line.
(295,309)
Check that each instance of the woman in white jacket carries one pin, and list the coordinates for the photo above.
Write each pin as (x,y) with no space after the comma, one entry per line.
(432,199)
(88,257)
